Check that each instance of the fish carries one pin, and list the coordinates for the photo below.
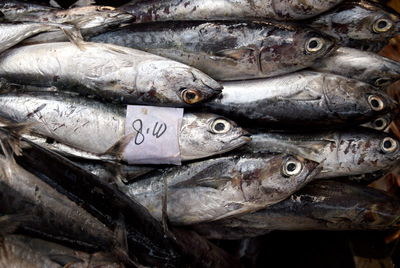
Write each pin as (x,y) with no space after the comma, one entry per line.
(27,252)
(301,99)
(13,34)
(221,187)
(342,153)
(55,216)
(140,235)
(321,205)
(108,71)
(381,123)
(228,50)
(113,171)
(99,129)
(22,11)
(88,20)
(358,22)
(364,66)
(177,10)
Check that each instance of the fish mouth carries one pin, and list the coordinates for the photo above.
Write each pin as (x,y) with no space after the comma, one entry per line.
(314,169)
(242,139)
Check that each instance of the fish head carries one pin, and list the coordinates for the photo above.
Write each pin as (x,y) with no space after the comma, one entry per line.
(380,123)
(306,46)
(284,174)
(355,99)
(112,16)
(364,151)
(377,213)
(95,16)
(362,20)
(379,150)
(177,83)
(388,73)
(204,134)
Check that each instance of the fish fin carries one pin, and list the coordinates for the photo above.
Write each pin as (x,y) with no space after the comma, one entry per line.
(115,49)
(64,260)
(164,210)
(9,145)
(74,35)
(121,234)
(82,3)
(19,128)
(235,54)
(118,148)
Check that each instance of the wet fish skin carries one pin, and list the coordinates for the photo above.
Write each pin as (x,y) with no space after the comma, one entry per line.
(111,171)
(89,20)
(358,21)
(147,240)
(321,205)
(94,127)
(12,34)
(250,49)
(26,252)
(176,10)
(15,253)
(221,187)
(381,123)
(340,152)
(108,71)
(56,216)
(12,10)
(303,98)
(361,65)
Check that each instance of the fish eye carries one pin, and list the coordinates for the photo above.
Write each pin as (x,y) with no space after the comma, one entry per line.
(314,44)
(190,96)
(292,167)
(382,26)
(383,81)
(220,126)
(376,103)
(380,123)
(389,145)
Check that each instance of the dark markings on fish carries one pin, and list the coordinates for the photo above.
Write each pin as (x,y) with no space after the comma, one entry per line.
(38,109)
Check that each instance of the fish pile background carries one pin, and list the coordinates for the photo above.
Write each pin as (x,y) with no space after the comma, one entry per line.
(290,124)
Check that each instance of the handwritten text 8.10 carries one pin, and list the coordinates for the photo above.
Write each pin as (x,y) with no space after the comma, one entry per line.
(157,130)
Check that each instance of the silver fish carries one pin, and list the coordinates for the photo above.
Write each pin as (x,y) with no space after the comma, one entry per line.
(54,214)
(325,205)
(361,65)
(25,252)
(108,71)
(12,34)
(228,50)
(302,98)
(177,10)
(358,21)
(13,10)
(341,153)
(95,127)
(381,123)
(222,187)
(111,171)
(89,20)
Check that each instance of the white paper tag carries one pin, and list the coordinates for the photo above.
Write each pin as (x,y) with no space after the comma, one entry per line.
(156,135)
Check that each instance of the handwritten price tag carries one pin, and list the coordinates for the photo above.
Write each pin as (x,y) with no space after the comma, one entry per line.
(155,135)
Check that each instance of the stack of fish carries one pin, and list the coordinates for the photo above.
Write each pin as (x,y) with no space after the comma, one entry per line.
(302,81)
